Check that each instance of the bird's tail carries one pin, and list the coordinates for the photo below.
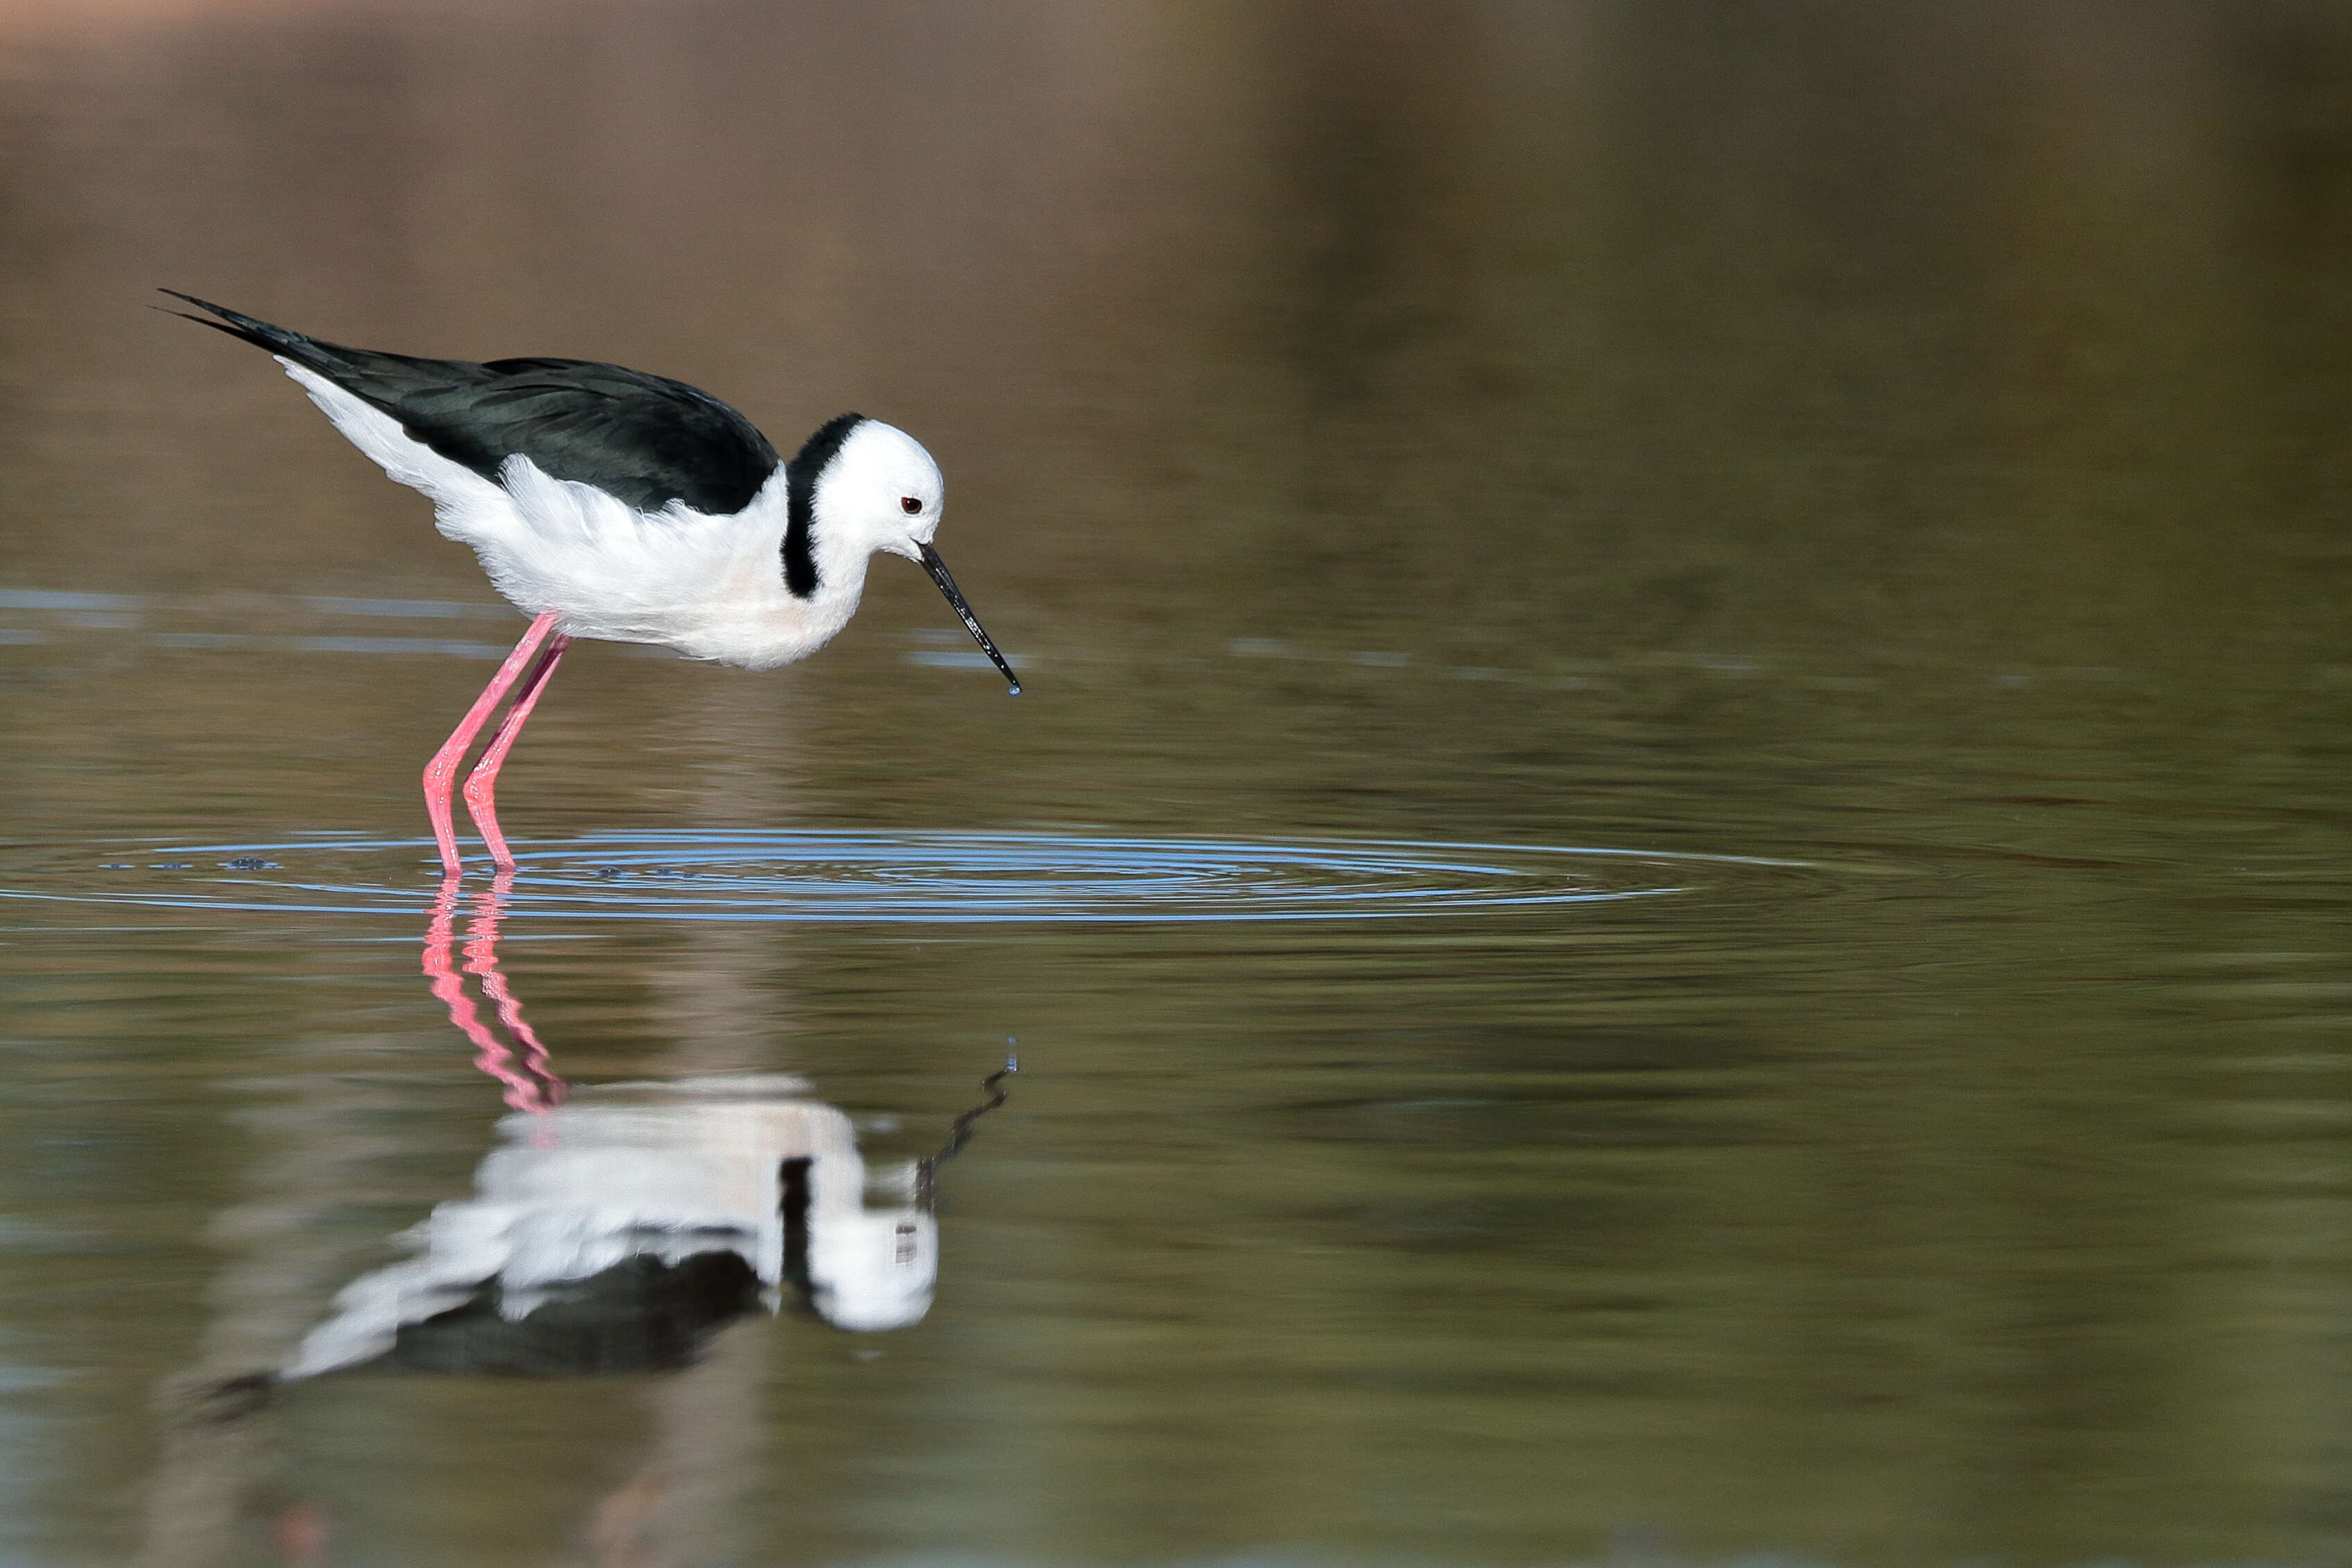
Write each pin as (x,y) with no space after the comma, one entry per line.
(293,345)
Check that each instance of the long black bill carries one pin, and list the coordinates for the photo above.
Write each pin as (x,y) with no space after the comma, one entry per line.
(939,570)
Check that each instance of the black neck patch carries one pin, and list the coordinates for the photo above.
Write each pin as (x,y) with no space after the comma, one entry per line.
(816,455)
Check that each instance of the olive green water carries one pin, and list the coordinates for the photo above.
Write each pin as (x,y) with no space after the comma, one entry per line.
(1904,443)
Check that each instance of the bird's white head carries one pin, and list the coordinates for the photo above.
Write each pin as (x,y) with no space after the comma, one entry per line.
(878,487)
(859,486)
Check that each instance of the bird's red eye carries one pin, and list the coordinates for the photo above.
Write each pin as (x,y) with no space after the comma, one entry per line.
(909,505)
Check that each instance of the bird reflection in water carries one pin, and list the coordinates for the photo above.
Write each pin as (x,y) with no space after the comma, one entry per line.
(615,1229)
(618,1229)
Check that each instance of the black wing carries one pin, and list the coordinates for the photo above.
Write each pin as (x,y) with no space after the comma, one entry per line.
(644,439)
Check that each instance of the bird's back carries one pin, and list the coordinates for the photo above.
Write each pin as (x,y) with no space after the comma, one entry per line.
(646,440)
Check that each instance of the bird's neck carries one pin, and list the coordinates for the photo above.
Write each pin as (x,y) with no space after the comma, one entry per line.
(789,626)
(841,563)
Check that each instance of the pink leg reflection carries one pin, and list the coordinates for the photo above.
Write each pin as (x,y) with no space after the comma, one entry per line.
(532,1085)
(482,961)
(482,783)
(302,1535)
(441,773)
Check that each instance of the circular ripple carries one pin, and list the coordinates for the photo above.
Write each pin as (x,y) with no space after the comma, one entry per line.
(931,877)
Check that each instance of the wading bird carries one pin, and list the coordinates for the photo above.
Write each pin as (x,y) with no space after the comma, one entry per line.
(608,502)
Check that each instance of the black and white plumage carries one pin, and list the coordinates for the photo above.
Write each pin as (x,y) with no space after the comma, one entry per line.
(611,504)
(645,440)
(634,508)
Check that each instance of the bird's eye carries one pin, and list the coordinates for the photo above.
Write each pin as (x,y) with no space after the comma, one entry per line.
(909,505)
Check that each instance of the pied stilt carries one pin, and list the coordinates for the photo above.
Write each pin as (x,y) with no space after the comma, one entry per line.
(605,502)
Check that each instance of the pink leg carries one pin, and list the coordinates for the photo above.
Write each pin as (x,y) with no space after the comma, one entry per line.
(482,783)
(441,773)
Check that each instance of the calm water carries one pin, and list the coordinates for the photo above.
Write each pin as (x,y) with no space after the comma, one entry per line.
(1673,886)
